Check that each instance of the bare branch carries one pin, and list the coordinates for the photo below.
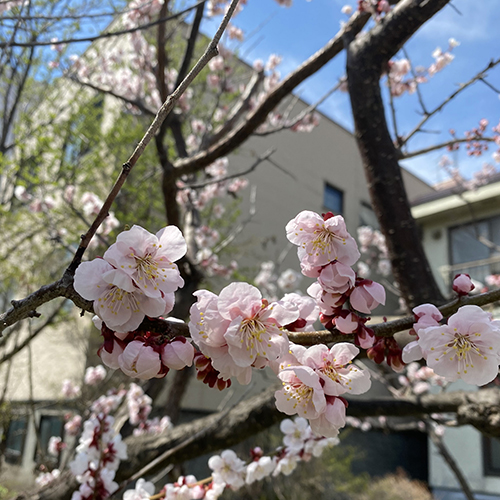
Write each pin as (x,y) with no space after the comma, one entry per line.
(163,112)
(461,88)
(108,34)
(252,167)
(435,147)
(259,114)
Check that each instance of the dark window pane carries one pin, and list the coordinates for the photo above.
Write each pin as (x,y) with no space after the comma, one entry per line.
(491,456)
(15,440)
(333,199)
(50,425)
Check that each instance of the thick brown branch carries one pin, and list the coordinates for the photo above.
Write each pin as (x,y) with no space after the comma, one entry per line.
(225,429)
(367,58)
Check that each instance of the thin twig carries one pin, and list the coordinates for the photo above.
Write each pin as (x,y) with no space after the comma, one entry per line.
(252,167)
(102,35)
(435,147)
(460,89)
(163,112)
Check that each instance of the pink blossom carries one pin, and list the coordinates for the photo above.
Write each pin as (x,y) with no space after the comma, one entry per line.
(142,491)
(69,389)
(177,354)
(468,347)
(95,374)
(117,301)
(110,359)
(207,328)
(412,352)
(367,296)
(336,278)
(140,361)
(322,241)
(331,420)
(347,324)
(55,445)
(462,284)
(335,369)
(296,432)
(72,427)
(259,469)
(308,312)
(302,392)
(149,259)
(227,468)
(255,327)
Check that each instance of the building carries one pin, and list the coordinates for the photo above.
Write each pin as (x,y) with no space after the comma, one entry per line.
(461,234)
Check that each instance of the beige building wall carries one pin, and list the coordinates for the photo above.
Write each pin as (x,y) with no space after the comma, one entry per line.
(304,163)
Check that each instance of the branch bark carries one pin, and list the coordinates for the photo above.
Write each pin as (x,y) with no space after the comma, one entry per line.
(225,429)
(367,58)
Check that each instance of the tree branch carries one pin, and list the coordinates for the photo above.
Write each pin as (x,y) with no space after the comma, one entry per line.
(259,115)
(423,151)
(108,34)
(367,58)
(461,88)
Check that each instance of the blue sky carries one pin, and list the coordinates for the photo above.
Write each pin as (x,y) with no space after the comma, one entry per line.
(297,32)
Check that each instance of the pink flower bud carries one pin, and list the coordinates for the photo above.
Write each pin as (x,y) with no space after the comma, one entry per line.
(140,361)
(178,354)
(348,324)
(367,296)
(462,284)
(110,359)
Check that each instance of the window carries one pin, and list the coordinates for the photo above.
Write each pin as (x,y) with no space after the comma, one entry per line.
(50,425)
(477,244)
(333,199)
(16,435)
(491,456)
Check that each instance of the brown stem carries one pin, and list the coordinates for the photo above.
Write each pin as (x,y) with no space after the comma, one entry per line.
(367,57)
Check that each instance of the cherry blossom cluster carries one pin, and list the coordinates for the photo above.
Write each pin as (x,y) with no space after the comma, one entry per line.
(377,8)
(400,79)
(135,277)
(98,456)
(467,347)
(419,379)
(239,329)
(139,407)
(268,281)
(314,380)
(88,204)
(479,178)
(229,471)
(144,354)
(326,252)
(493,280)
(374,253)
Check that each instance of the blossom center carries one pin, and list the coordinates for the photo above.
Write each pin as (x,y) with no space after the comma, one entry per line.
(324,240)
(462,345)
(115,298)
(302,394)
